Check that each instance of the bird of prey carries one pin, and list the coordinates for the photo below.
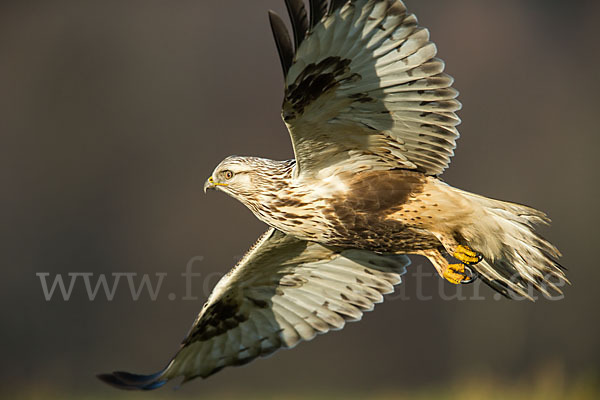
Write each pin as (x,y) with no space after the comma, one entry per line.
(372,119)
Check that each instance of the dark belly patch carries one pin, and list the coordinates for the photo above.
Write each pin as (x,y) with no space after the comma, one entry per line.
(361,217)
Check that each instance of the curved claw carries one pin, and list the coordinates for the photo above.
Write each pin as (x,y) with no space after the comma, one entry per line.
(470,276)
(466,255)
(459,274)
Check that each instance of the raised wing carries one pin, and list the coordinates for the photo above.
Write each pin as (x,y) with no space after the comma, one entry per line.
(363,89)
(283,291)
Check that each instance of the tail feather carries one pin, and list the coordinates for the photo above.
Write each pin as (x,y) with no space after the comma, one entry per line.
(516,258)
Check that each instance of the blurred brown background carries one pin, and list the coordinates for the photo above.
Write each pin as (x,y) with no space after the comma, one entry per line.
(112,114)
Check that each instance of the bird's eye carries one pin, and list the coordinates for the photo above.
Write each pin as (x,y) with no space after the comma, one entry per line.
(228,174)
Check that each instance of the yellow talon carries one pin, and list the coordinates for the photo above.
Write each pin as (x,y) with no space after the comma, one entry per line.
(457,274)
(465,255)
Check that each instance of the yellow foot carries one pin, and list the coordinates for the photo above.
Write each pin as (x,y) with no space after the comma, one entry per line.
(467,256)
(458,273)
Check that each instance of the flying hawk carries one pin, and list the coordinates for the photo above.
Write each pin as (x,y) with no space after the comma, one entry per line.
(372,119)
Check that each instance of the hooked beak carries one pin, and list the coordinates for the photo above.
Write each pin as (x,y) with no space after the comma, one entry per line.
(209,184)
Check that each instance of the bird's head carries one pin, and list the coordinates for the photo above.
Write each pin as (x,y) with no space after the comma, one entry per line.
(245,177)
(232,175)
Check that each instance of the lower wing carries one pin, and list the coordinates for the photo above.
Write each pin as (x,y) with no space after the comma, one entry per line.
(283,291)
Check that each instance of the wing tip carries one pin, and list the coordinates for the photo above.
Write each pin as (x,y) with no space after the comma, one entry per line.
(299,19)
(128,381)
(282,41)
